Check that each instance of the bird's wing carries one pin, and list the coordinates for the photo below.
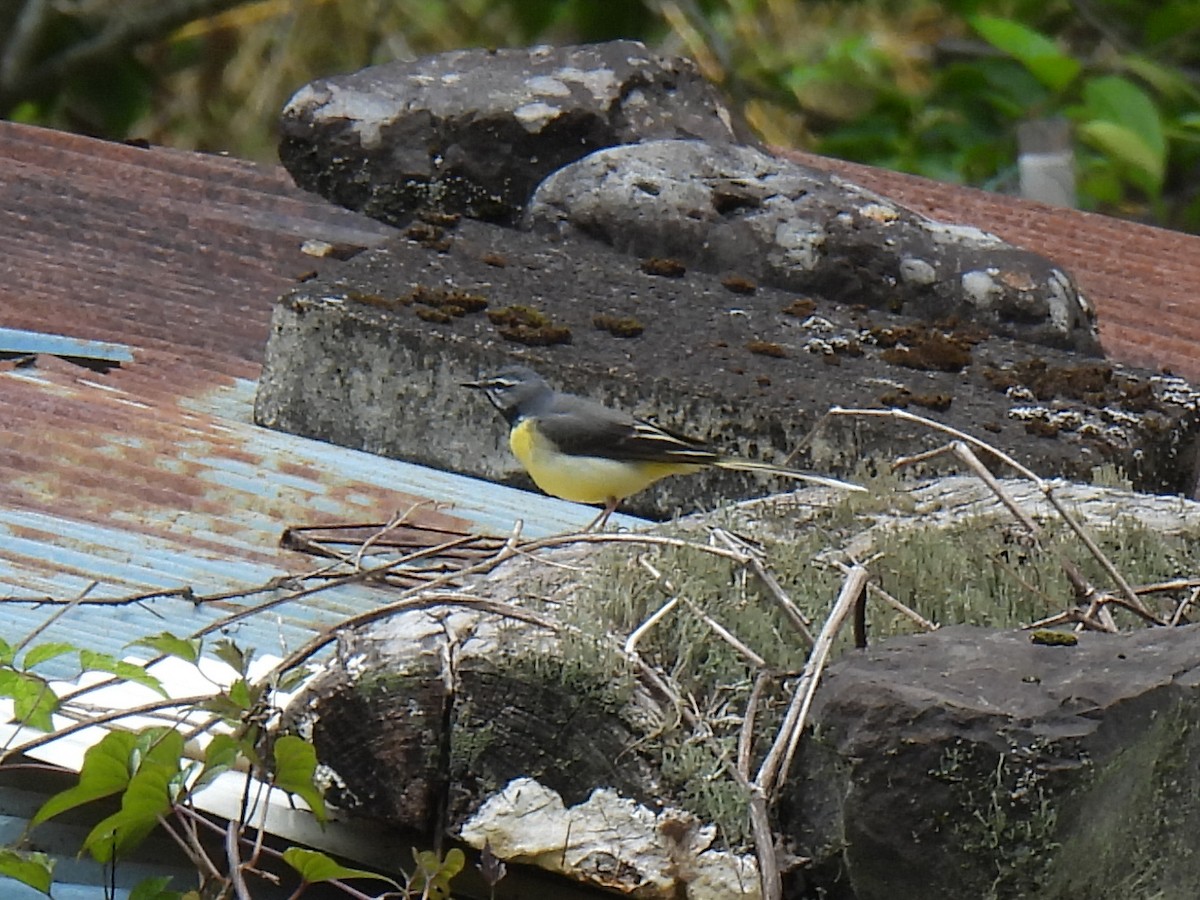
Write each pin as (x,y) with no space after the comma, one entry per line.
(589,429)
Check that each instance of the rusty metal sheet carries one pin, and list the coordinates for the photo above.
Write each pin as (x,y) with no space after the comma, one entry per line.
(113,486)
(157,249)
(149,475)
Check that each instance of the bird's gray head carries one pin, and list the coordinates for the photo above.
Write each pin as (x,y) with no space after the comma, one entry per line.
(513,390)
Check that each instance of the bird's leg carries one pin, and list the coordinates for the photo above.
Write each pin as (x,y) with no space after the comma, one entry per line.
(601,520)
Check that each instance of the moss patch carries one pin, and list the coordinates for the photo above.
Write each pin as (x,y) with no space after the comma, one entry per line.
(991,574)
(1002,815)
(1134,832)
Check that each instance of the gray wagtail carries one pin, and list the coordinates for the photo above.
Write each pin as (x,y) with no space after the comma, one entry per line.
(580,450)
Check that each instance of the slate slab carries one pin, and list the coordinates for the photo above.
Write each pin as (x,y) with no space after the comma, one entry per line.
(976,763)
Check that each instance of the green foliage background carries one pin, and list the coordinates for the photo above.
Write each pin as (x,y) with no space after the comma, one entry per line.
(935,87)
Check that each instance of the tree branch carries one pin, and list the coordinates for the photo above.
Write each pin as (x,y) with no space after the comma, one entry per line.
(118,36)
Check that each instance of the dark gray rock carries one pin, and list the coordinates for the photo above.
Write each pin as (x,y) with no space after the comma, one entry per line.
(382,717)
(731,208)
(972,763)
(366,356)
(474,131)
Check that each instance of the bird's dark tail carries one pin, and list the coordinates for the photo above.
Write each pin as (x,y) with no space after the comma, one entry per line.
(749,465)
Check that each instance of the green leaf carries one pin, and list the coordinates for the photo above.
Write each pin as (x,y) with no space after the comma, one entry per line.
(1169,21)
(224,707)
(243,694)
(1111,98)
(454,862)
(233,656)
(34,703)
(1168,82)
(161,747)
(116,835)
(1033,50)
(29,113)
(154,889)
(1129,148)
(290,679)
(151,792)
(9,679)
(314,867)
(33,869)
(237,703)
(43,652)
(105,772)
(167,643)
(6,650)
(91,661)
(433,874)
(295,766)
(221,755)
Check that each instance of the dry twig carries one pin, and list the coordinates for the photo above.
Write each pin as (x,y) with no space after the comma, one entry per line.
(773,770)
(718,629)
(963,442)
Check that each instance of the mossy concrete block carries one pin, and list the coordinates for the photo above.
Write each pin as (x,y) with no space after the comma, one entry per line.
(976,763)
(371,355)
(382,717)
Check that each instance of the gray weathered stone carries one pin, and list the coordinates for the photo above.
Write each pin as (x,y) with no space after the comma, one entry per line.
(733,208)
(972,763)
(474,131)
(355,358)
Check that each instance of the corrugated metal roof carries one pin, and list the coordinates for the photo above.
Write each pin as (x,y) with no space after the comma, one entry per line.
(150,475)
(107,483)
(75,877)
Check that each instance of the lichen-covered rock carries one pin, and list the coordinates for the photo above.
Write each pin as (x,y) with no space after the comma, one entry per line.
(611,841)
(732,208)
(474,131)
(976,763)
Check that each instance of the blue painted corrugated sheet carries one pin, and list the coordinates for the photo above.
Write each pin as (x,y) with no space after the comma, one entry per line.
(114,489)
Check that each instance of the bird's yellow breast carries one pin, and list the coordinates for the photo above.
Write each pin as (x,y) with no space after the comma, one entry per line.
(583,479)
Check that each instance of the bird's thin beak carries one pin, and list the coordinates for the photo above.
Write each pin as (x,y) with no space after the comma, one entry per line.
(477,385)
